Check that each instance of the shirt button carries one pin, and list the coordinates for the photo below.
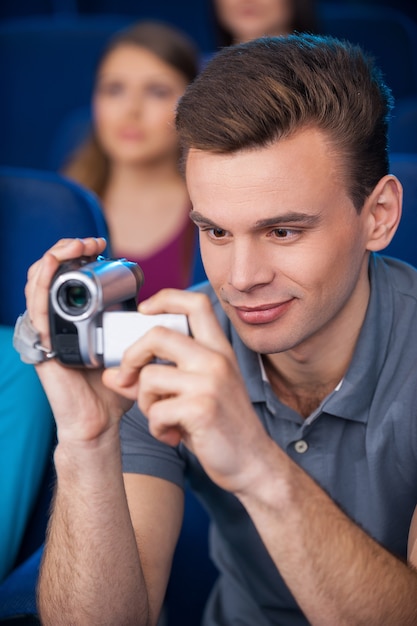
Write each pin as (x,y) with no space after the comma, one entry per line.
(301,446)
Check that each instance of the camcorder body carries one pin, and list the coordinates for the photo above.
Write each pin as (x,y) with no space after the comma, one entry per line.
(93,313)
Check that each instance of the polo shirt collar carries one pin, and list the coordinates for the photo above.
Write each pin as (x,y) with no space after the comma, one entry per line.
(355,394)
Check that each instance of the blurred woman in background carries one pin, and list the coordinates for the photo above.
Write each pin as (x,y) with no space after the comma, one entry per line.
(131,157)
(237,21)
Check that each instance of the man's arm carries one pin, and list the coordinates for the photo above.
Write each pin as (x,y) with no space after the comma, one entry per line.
(336,572)
(156,518)
(104,564)
(94,571)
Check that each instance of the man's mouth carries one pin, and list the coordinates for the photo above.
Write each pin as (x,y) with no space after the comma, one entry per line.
(262,314)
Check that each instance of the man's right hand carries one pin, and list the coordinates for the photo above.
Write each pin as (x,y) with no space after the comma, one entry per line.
(83,407)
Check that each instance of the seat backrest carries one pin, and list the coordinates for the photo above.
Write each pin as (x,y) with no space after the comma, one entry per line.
(47,67)
(27,432)
(403,246)
(37,209)
(71,133)
(386,33)
(193,572)
(403,126)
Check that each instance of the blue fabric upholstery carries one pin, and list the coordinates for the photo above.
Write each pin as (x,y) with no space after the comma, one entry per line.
(193,574)
(386,33)
(36,209)
(46,69)
(403,126)
(18,591)
(71,132)
(26,435)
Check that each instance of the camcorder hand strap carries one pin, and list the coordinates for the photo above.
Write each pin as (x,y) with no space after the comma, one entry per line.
(26,341)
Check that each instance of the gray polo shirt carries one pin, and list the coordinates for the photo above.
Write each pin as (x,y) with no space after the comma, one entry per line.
(360,445)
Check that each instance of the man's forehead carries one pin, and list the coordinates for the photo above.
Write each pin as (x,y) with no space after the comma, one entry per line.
(302,159)
(306,140)
(298,174)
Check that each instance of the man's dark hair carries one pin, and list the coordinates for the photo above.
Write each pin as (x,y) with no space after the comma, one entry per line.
(253,94)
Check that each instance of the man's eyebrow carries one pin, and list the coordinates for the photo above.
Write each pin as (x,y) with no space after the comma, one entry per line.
(199,219)
(292,217)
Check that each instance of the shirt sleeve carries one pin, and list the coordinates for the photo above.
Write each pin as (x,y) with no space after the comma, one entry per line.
(143,454)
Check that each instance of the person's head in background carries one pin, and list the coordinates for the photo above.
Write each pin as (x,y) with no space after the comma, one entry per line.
(140,77)
(238,21)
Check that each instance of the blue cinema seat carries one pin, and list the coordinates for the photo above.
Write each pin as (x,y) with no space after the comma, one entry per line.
(403,126)
(47,67)
(36,209)
(386,33)
(193,573)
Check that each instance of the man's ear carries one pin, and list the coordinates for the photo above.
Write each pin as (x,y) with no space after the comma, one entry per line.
(384,207)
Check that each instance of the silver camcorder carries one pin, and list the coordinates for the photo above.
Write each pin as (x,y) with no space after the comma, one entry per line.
(92,312)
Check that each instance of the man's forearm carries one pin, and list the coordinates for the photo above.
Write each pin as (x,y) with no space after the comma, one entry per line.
(91,571)
(336,572)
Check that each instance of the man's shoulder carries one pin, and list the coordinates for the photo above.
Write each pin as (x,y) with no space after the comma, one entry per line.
(400,275)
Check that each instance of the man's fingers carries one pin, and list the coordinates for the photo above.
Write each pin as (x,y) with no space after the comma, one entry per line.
(197,307)
(66,249)
(167,345)
(40,275)
(156,381)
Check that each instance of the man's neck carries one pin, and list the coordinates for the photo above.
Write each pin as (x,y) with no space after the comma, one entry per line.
(302,377)
(302,395)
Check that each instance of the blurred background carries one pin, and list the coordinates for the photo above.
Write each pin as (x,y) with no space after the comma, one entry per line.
(49,48)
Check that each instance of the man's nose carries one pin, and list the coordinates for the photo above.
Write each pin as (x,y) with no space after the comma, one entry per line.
(249,266)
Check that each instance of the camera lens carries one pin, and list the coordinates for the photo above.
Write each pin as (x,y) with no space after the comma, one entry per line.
(73,297)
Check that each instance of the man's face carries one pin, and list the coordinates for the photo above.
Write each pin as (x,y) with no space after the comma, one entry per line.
(281,242)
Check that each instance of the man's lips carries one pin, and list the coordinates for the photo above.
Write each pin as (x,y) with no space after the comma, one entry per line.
(263,314)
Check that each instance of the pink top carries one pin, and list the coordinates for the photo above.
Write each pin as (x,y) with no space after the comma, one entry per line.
(171,266)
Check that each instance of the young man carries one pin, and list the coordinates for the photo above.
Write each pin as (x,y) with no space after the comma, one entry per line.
(292,406)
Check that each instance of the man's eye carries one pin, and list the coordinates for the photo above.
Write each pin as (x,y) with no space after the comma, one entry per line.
(217,233)
(281,233)
(284,233)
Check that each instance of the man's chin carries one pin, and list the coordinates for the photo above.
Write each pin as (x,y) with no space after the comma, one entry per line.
(262,340)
